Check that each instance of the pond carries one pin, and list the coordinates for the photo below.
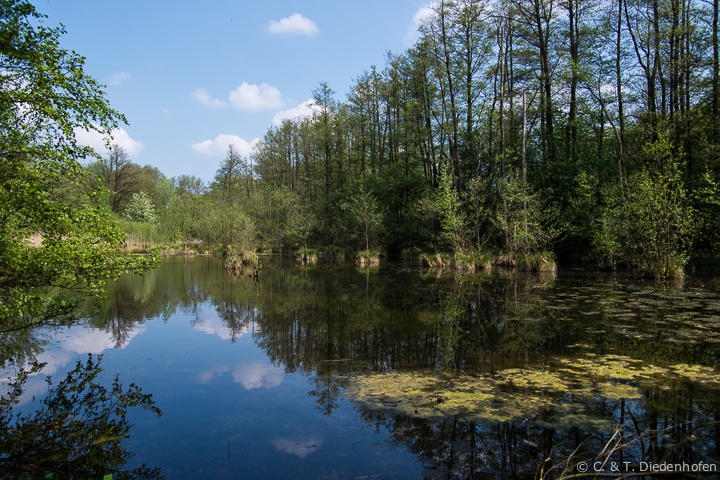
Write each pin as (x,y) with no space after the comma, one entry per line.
(330,371)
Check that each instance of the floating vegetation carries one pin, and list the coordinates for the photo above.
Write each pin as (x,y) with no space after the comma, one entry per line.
(562,392)
(697,373)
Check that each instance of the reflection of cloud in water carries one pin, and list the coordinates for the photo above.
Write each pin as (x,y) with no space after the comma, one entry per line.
(251,376)
(216,326)
(90,340)
(36,386)
(70,341)
(243,324)
(53,361)
(299,448)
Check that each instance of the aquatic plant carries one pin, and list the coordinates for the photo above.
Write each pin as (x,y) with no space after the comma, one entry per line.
(559,390)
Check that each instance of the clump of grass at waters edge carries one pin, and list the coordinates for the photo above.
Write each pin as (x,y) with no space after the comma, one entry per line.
(368,258)
(306,255)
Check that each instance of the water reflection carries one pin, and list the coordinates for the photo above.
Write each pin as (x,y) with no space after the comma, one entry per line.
(481,376)
(250,376)
(401,318)
(299,447)
(78,430)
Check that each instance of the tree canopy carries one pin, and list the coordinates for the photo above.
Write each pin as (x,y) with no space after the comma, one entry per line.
(45,98)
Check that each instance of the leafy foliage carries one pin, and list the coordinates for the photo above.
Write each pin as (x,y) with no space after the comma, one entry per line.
(529,226)
(45,96)
(141,209)
(366,215)
(448,207)
(650,224)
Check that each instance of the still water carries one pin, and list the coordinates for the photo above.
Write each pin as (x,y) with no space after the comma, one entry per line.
(330,371)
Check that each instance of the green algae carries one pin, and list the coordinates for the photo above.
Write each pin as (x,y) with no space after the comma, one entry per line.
(564,389)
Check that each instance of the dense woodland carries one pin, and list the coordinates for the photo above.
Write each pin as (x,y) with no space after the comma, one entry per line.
(582,130)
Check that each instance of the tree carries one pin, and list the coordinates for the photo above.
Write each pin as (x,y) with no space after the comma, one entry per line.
(366,215)
(299,226)
(447,203)
(182,215)
(45,96)
(141,209)
(225,222)
(323,96)
(651,226)
(119,176)
(436,33)
(529,226)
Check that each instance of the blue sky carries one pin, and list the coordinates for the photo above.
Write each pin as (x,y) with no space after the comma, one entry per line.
(192,78)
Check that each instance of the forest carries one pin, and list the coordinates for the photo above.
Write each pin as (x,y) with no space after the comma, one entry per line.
(523,132)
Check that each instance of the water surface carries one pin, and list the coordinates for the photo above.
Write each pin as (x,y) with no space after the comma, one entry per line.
(331,371)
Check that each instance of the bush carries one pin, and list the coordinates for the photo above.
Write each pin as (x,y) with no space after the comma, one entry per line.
(648,225)
(542,262)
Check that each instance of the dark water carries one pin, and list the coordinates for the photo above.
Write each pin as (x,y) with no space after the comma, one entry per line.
(398,372)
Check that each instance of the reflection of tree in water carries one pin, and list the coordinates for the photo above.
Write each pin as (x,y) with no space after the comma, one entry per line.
(328,385)
(22,345)
(178,283)
(453,447)
(78,430)
(337,324)
(232,302)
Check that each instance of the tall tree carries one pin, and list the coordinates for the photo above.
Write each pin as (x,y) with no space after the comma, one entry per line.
(323,96)
(436,32)
(120,176)
(226,223)
(538,17)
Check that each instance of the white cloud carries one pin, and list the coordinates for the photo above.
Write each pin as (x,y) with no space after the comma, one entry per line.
(202,96)
(421,16)
(255,97)
(247,96)
(219,145)
(119,77)
(305,109)
(120,136)
(294,24)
